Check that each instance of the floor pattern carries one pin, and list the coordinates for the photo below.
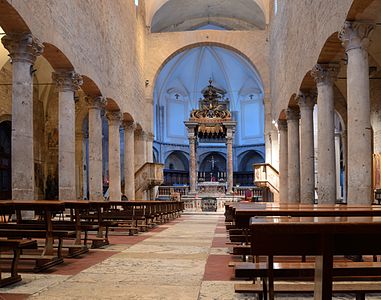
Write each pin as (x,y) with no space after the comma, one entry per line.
(184,259)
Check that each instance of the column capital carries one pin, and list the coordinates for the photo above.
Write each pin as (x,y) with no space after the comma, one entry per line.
(98,102)
(129,125)
(325,73)
(67,80)
(355,35)
(307,100)
(22,47)
(114,117)
(150,137)
(282,124)
(292,114)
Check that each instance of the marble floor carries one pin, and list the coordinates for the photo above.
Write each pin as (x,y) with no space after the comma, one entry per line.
(184,259)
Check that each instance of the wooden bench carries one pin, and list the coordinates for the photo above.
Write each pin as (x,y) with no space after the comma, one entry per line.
(358,288)
(15,246)
(295,270)
(43,260)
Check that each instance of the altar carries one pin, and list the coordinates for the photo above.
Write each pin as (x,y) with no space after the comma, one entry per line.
(211,123)
(211,189)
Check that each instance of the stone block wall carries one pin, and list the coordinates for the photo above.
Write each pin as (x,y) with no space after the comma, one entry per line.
(298,32)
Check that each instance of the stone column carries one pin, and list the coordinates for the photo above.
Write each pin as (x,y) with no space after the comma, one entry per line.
(140,149)
(293,156)
(96,104)
(149,145)
(355,39)
(114,120)
(229,151)
(275,149)
(67,82)
(79,164)
(129,159)
(307,169)
(283,161)
(324,76)
(337,160)
(192,160)
(23,50)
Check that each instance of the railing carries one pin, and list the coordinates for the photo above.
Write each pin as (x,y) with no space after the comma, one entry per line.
(253,193)
(169,190)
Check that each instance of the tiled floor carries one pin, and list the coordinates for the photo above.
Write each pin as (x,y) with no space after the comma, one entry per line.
(184,259)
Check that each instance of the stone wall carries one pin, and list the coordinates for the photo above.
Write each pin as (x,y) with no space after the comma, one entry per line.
(298,32)
(102,40)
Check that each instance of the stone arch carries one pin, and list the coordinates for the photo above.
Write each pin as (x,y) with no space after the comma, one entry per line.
(112,105)
(235,15)
(56,58)
(176,160)
(10,19)
(199,44)
(247,159)
(206,165)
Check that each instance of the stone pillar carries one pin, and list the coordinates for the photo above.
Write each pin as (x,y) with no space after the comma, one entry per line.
(23,50)
(283,161)
(129,159)
(337,160)
(345,163)
(79,164)
(114,119)
(324,76)
(140,149)
(96,104)
(275,149)
(293,156)
(355,39)
(67,82)
(192,161)
(229,151)
(149,145)
(307,169)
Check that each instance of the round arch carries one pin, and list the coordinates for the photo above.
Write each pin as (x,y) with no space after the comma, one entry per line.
(200,44)
(176,160)
(247,159)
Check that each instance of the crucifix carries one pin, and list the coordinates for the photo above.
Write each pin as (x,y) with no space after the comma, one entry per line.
(212,161)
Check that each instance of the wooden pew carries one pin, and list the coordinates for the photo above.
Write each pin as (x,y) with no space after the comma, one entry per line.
(322,237)
(49,256)
(15,246)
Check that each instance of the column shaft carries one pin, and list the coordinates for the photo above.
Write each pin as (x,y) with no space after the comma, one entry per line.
(114,119)
(79,164)
(355,38)
(95,148)
(23,50)
(283,161)
(324,77)
(307,168)
(293,156)
(67,82)
(229,151)
(192,164)
(129,159)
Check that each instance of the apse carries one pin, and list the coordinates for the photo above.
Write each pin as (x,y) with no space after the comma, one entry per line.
(180,83)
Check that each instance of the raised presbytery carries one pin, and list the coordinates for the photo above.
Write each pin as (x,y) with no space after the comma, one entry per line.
(176,149)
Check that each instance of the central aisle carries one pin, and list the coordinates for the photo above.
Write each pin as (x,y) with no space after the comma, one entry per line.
(167,265)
